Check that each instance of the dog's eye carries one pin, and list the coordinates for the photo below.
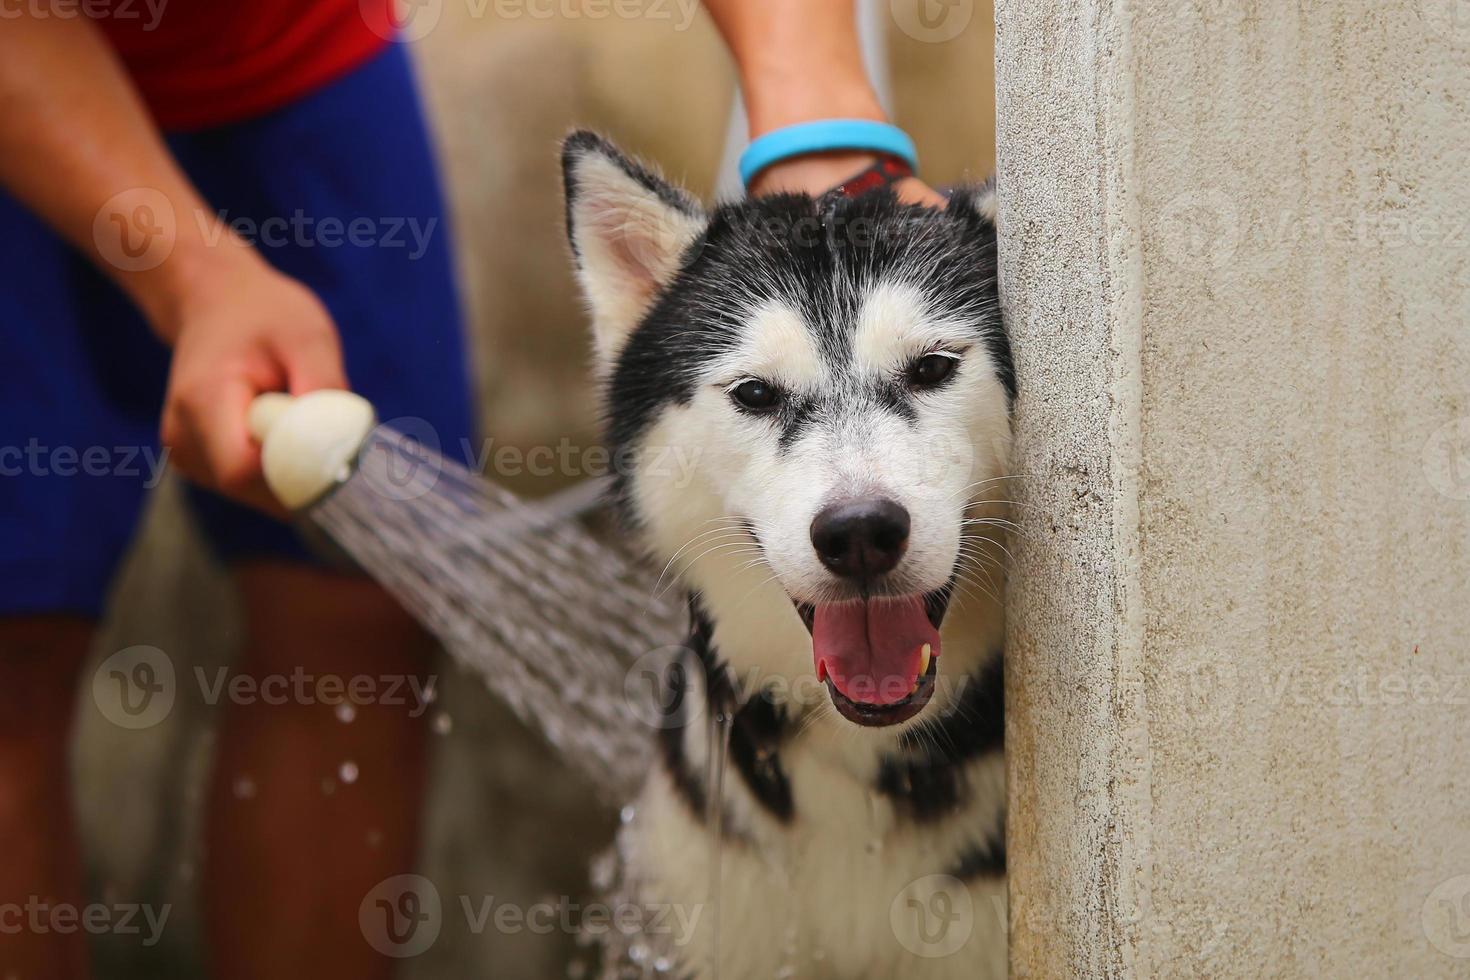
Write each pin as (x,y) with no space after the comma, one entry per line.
(755,395)
(932,370)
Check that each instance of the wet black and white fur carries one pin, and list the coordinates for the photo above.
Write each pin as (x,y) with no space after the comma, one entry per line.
(849,850)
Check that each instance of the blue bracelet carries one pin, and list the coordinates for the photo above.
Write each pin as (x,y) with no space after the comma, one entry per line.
(822,136)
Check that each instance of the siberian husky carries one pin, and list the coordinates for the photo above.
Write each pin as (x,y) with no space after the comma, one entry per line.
(838,372)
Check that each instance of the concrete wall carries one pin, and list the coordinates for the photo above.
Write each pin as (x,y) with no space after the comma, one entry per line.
(1237,264)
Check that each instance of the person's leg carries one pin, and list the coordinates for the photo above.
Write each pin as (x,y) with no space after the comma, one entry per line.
(78,412)
(39,660)
(311,804)
(290,862)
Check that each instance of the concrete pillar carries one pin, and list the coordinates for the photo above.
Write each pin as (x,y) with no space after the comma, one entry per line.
(1236,262)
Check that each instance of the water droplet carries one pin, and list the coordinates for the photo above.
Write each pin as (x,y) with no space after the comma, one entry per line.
(443,724)
(627,813)
(244,788)
(663,965)
(637,952)
(604,870)
(347,772)
(345,713)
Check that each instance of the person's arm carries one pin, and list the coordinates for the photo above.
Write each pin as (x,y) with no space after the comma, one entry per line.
(801,60)
(78,148)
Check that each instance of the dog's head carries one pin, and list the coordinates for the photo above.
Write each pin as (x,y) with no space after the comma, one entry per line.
(811,402)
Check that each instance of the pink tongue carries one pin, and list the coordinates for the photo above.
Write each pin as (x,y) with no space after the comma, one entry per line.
(872,650)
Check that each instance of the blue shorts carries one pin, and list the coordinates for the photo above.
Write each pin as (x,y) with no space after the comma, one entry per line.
(84,378)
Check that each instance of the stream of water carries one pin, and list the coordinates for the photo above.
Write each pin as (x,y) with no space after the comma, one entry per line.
(553,618)
(560,623)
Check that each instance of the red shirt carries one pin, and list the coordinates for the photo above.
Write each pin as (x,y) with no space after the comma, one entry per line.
(203,63)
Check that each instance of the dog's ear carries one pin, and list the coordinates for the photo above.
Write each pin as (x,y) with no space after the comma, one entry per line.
(628,229)
(976,201)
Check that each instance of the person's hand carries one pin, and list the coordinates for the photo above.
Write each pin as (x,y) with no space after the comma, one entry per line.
(817,173)
(241,331)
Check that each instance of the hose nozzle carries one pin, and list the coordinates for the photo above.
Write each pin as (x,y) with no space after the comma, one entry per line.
(309,442)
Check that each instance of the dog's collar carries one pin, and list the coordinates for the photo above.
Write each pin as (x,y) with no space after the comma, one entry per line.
(884,172)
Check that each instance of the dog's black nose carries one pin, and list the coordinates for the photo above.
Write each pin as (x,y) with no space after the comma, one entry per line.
(861,538)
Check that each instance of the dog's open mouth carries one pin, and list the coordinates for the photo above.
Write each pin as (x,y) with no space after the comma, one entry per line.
(878,656)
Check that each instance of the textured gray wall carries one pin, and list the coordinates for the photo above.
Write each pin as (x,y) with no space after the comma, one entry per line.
(1236,258)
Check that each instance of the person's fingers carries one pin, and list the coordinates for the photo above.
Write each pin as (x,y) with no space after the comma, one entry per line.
(915,191)
(211,443)
(312,358)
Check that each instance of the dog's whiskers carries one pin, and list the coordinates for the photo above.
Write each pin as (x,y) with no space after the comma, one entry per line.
(715,532)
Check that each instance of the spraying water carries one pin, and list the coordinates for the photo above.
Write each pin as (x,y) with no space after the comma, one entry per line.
(550,616)
(564,627)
